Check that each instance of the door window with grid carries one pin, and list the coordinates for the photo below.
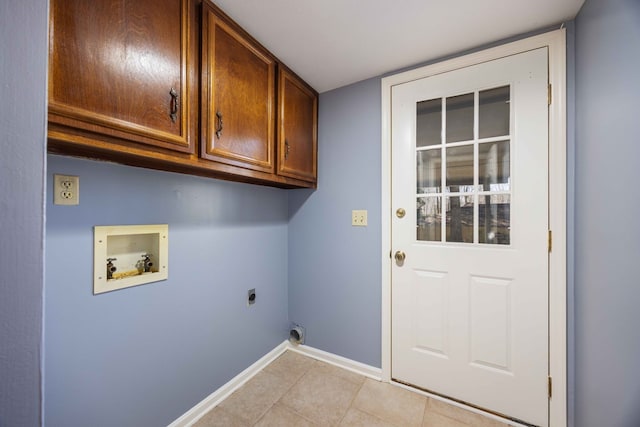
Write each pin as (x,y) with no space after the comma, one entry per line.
(463,176)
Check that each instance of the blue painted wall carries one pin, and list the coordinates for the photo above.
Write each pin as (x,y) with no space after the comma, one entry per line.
(143,356)
(334,268)
(169,342)
(607,230)
(23,78)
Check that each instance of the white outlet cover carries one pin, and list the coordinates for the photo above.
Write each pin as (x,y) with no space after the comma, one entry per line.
(66,190)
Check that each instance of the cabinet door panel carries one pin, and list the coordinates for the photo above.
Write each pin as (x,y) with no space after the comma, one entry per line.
(114,65)
(297,139)
(238,98)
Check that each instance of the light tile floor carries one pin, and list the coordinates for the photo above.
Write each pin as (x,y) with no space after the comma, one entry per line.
(298,391)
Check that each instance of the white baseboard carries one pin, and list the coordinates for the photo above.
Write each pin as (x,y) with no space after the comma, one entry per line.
(214,399)
(339,361)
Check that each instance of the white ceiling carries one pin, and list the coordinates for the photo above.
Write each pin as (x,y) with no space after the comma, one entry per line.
(331,43)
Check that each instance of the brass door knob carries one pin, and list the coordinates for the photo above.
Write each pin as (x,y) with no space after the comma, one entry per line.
(400,257)
(400,213)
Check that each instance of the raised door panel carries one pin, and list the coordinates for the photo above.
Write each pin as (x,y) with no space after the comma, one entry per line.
(121,69)
(297,140)
(238,96)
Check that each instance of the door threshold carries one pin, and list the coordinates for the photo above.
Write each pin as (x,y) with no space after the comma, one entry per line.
(462,404)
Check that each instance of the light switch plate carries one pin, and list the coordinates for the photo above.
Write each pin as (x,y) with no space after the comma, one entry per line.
(359,218)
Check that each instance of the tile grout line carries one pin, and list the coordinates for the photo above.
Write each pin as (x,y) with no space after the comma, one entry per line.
(369,413)
(424,411)
(355,395)
(313,362)
(284,393)
(296,382)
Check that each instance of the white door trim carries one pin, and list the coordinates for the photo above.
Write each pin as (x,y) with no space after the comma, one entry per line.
(555,41)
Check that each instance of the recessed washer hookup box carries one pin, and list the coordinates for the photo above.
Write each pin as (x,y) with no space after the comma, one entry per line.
(129,255)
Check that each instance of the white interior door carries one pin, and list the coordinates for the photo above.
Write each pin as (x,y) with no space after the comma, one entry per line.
(470,298)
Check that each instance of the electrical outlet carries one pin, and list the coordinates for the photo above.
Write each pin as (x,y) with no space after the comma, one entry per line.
(66,190)
(359,218)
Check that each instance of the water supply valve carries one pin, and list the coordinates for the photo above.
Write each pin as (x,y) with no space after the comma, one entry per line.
(110,268)
(147,263)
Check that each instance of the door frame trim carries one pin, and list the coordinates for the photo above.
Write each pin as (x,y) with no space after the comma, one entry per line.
(555,41)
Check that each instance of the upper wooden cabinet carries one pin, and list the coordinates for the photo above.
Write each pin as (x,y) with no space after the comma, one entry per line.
(123,71)
(297,135)
(176,85)
(238,96)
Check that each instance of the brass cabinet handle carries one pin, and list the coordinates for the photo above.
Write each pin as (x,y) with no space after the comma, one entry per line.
(400,257)
(219,127)
(400,213)
(287,147)
(174,105)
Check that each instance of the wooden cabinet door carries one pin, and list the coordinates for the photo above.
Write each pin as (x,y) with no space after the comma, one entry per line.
(238,96)
(297,137)
(120,69)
